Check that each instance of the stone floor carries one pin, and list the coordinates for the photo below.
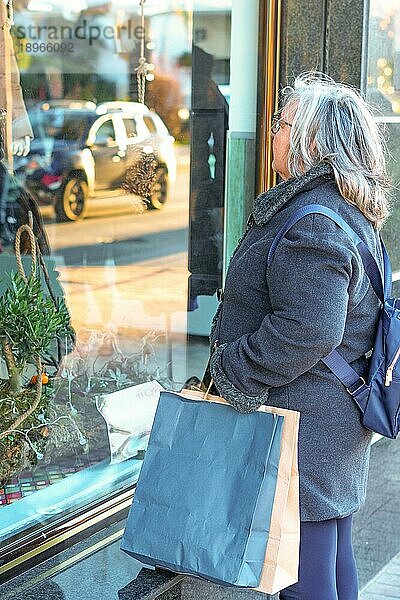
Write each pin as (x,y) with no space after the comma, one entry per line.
(386,584)
(376,531)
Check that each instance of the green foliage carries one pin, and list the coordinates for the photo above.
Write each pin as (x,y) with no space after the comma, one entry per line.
(30,320)
(29,324)
(16,453)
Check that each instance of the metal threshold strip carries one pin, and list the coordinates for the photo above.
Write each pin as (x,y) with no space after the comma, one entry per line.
(51,572)
(38,542)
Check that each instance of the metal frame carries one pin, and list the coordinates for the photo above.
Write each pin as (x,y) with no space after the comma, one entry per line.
(268,85)
(22,553)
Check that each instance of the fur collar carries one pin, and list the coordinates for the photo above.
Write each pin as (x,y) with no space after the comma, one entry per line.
(267,204)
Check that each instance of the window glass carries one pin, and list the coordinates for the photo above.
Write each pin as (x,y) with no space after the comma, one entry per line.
(59,124)
(150,124)
(383,92)
(132,240)
(130,126)
(105,133)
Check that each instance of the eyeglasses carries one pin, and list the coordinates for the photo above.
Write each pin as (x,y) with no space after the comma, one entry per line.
(276,123)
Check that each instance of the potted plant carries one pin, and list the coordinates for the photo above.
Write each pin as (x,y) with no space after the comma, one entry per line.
(30,322)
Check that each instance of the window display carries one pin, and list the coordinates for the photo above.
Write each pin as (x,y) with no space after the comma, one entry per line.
(123,183)
(11,98)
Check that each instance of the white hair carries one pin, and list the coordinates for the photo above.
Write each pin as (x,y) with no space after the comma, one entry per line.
(332,123)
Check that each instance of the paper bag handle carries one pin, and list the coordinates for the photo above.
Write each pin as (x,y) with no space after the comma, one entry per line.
(205,385)
(207,381)
(208,389)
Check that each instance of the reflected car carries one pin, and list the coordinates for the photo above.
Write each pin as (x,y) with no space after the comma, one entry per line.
(81,151)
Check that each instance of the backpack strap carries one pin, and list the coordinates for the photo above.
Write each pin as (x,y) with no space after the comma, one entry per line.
(354,384)
(381,286)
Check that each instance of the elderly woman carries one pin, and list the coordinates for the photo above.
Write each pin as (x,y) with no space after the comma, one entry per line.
(277,321)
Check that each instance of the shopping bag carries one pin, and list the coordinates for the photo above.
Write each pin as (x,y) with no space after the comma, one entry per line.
(281,561)
(205,495)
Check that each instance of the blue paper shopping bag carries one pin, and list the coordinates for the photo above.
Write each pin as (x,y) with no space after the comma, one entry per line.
(205,494)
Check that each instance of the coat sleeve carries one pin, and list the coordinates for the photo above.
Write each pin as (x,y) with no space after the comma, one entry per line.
(308,282)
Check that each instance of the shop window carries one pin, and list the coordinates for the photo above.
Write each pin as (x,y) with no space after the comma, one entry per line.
(383,92)
(135,232)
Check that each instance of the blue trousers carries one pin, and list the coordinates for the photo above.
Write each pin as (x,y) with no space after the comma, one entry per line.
(327,568)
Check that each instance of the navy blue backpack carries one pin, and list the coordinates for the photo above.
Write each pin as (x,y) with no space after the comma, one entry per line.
(379,397)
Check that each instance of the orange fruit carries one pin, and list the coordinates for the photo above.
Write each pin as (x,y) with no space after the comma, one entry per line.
(45,379)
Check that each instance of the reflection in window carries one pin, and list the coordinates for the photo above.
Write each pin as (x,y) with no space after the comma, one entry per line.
(150,124)
(130,127)
(122,270)
(59,124)
(384,57)
(383,92)
(105,133)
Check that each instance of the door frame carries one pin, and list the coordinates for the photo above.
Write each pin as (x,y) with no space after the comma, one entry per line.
(268,86)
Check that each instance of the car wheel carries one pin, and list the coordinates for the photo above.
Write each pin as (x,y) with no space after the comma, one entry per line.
(159,190)
(71,202)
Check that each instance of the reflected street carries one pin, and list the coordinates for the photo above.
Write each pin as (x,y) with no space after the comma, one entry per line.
(124,268)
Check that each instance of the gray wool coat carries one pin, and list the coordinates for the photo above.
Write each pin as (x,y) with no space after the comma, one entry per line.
(275,324)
